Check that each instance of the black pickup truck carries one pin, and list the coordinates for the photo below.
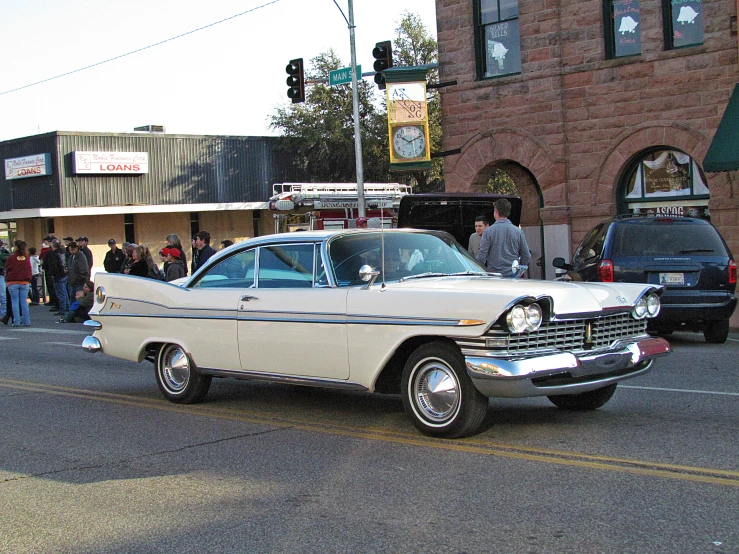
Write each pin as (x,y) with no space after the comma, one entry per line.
(453,212)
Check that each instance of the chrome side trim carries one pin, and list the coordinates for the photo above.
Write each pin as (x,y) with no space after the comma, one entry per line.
(295,317)
(564,372)
(384,320)
(288,379)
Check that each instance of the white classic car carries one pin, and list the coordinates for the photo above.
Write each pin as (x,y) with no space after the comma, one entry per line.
(396,311)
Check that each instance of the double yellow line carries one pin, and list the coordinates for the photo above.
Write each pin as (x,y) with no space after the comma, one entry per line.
(474,445)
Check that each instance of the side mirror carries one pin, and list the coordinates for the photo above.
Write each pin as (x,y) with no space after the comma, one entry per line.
(561,264)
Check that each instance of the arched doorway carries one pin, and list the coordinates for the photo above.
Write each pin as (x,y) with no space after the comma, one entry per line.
(528,189)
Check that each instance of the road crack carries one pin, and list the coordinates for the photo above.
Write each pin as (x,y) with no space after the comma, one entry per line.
(143,456)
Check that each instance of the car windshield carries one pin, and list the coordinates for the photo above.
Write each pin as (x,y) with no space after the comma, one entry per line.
(406,254)
(666,239)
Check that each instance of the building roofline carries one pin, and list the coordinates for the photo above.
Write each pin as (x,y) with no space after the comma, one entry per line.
(132,209)
(139,134)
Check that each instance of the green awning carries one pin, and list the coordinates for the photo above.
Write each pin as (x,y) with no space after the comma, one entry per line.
(723,154)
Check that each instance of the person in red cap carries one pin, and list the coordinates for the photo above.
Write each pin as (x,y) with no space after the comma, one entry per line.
(175,266)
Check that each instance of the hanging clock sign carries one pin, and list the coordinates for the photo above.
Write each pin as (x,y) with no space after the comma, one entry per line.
(407,114)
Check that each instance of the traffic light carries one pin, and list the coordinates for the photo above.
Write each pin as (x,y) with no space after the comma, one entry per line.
(383,53)
(296,81)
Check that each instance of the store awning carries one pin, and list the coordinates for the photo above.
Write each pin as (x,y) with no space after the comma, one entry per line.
(723,154)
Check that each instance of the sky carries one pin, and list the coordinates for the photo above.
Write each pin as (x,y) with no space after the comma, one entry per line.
(226,79)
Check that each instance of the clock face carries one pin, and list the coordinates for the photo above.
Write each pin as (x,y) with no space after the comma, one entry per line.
(409,141)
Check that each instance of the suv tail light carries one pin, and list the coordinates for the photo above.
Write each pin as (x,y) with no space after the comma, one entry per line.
(605,271)
(732,272)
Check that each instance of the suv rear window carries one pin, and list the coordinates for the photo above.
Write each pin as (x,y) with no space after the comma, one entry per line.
(666,239)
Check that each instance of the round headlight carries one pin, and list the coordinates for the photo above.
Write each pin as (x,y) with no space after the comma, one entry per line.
(653,305)
(640,310)
(533,317)
(516,319)
(100,294)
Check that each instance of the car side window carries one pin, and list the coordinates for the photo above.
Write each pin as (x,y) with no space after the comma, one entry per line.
(286,266)
(591,246)
(236,271)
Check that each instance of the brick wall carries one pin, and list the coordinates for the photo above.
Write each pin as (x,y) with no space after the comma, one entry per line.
(572,118)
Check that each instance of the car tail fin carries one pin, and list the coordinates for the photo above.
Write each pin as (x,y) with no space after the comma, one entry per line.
(605,271)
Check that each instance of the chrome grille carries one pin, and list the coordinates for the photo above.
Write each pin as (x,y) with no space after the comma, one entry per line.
(567,335)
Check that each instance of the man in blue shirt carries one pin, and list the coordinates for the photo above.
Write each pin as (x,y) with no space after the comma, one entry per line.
(503,242)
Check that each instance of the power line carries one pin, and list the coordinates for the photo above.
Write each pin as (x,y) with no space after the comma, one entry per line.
(138,50)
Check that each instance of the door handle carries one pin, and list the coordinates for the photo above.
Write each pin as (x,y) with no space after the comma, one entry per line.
(247,298)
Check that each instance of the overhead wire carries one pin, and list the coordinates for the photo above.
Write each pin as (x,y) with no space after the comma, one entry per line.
(138,49)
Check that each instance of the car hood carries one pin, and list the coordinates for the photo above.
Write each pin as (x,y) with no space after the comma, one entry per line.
(567,297)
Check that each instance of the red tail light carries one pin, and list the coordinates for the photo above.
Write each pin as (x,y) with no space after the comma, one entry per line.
(732,272)
(605,271)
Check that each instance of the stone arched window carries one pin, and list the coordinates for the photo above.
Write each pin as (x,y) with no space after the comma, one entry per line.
(664,180)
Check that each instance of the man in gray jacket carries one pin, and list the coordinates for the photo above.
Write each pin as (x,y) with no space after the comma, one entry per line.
(78,270)
(503,242)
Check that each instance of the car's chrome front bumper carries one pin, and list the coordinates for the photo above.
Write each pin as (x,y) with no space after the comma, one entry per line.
(563,372)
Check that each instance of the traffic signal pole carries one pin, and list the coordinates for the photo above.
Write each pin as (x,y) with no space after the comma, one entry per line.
(357,128)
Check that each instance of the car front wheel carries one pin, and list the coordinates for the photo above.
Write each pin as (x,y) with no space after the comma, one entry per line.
(716,332)
(591,400)
(176,378)
(438,394)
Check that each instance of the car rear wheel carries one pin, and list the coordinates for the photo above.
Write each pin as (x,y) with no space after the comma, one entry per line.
(438,394)
(716,332)
(585,401)
(176,377)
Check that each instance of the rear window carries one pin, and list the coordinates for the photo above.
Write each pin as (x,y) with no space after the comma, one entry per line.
(668,239)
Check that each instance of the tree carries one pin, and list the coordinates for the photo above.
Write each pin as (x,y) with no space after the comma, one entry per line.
(319,133)
(501,183)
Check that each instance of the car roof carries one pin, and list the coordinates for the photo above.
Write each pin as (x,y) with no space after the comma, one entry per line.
(316,236)
(637,219)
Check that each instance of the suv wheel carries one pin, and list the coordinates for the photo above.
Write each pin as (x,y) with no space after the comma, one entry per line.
(716,332)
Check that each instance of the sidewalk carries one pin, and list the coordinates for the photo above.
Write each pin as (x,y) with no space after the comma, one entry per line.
(42,318)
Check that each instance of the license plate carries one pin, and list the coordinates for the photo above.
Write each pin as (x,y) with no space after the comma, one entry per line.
(671,278)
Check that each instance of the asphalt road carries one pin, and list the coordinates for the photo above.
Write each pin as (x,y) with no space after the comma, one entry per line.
(93,459)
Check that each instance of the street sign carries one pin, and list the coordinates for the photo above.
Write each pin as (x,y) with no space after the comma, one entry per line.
(343,76)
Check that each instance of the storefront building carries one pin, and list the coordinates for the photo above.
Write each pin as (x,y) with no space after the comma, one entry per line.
(595,108)
(138,187)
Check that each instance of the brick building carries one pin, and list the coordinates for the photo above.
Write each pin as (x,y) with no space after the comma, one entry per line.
(594,107)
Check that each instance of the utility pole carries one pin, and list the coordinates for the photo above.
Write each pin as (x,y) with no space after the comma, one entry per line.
(357,129)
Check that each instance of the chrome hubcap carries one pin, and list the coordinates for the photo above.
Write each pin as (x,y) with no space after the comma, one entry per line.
(436,391)
(175,369)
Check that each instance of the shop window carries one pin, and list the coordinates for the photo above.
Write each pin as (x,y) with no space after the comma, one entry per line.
(194,223)
(666,174)
(8,233)
(129,230)
(497,36)
(622,25)
(683,21)
(256,219)
(665,182)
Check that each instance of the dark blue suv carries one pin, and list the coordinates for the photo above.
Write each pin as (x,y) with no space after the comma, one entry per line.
(686,255)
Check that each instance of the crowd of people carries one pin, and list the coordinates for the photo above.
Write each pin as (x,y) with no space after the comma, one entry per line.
(63,268)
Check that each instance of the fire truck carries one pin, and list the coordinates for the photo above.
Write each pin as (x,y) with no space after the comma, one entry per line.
(334,205)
